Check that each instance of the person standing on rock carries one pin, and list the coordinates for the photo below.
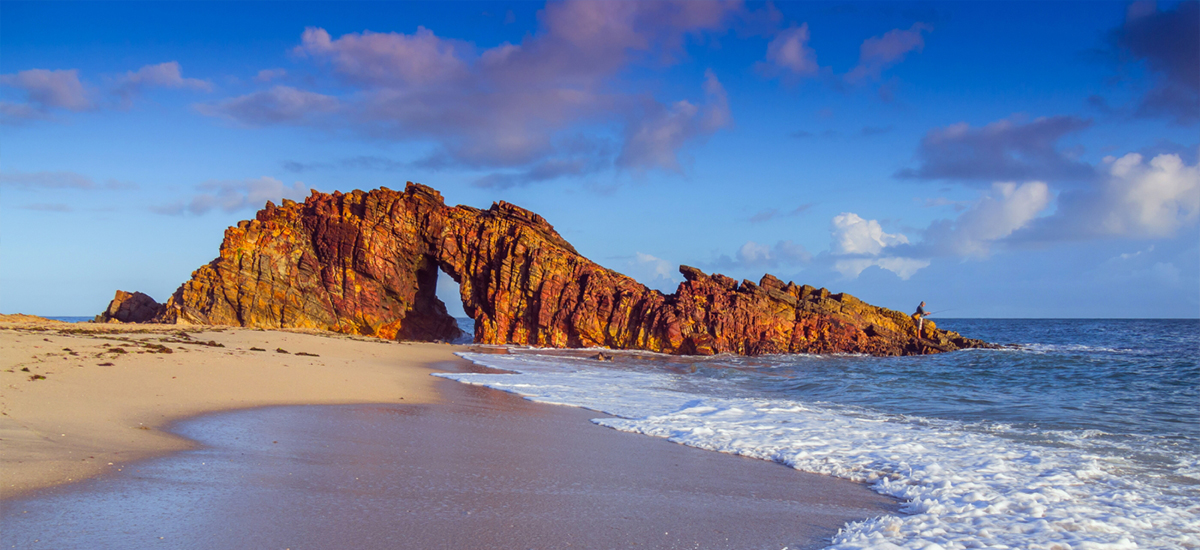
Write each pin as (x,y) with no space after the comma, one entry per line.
(919,317)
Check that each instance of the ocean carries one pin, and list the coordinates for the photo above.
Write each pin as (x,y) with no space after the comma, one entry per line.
(1084,434)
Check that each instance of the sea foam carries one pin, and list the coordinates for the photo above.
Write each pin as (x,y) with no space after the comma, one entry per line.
(962,485)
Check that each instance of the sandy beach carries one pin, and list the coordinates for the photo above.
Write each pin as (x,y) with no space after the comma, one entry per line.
(80,399)
(406,460)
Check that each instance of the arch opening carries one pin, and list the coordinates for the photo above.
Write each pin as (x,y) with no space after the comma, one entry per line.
(449,292)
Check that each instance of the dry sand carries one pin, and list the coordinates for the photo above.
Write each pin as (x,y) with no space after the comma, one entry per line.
(97,408)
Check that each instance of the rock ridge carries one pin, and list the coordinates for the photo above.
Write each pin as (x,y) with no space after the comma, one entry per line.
(367,262)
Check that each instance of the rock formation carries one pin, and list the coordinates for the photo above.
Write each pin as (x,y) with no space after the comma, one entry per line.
(129,307)
(367,263)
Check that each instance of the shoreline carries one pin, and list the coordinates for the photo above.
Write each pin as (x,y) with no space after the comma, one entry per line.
(73,407)
(481,469)
(512,469)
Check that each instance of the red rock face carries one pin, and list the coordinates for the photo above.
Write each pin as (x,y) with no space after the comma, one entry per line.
(356,263)
(367,263)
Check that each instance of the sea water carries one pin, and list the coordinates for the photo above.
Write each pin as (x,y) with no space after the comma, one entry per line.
(1084,435)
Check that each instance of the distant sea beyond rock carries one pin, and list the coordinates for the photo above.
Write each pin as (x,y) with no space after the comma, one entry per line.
(367,263)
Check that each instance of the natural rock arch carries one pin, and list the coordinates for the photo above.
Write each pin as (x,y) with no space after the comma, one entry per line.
(367,263)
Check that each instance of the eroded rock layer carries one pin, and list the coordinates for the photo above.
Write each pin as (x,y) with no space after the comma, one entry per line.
(367,263)
(130,307)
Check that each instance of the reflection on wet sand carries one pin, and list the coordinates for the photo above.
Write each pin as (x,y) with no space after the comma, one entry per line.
(481,469)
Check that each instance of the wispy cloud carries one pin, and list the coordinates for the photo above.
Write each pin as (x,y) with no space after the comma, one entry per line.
(512,105)
(48,207)
(233,196)
(869,131)
(267,75)
(880,52)
(60,180)
(162,75)
(278,105)
(789,56)
(543,171)
(1006,150)
(959,206)
(45,90)
(1134,199)
(772,213)
(753,255)
(657,135)
(1005,209)
(361,162)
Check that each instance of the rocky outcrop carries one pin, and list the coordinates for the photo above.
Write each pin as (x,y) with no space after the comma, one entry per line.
(367,263)
(127,307)
(356,263)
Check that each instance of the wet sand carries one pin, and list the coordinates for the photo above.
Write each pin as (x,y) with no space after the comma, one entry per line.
(470,468)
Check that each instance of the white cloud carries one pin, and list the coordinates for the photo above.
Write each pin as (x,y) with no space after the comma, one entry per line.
(854,235)
(658,266)
(753,253)
(654,272)
(997,215)
(1152,200)
(1134,199)
(866,242)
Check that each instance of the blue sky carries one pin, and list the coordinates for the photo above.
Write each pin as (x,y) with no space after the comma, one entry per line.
(994,159)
